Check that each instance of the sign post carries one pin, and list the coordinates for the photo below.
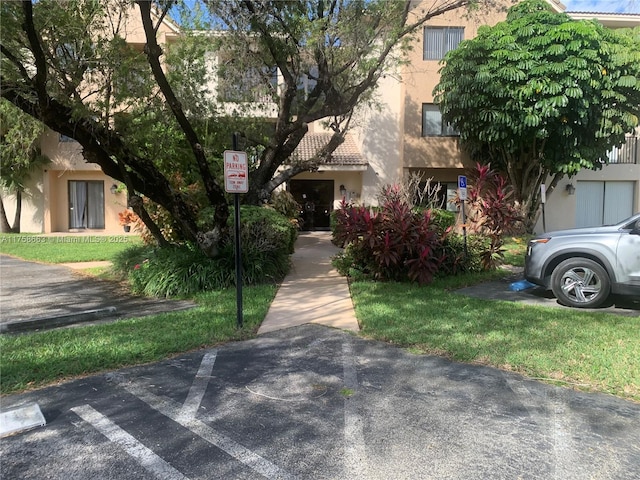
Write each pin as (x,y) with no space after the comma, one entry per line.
(543,200)
(462,193)
(236,173)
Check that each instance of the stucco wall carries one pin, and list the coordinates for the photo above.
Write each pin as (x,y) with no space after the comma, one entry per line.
(420,77)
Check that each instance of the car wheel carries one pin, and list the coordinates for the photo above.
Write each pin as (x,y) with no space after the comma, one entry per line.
(580,282)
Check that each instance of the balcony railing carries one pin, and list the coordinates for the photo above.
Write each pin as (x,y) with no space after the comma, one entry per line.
(626,154)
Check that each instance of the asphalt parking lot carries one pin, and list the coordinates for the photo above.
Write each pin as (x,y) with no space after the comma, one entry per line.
(313,402)
(37,296)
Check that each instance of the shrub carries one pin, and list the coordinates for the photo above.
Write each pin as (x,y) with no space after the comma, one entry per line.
(278,233)
(443,220)
(180,270)
(284,203)
(455,261)
(393,243)
(414,190)
(266,238)
(491,212)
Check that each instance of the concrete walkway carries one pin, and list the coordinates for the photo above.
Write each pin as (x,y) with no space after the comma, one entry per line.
(313,291)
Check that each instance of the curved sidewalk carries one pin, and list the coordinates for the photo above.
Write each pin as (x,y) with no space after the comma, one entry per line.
(313,291)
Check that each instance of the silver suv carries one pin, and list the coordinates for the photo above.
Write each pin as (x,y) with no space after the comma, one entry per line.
(583,266)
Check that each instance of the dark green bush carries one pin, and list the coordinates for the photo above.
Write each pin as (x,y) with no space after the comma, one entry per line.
(284,202)
(266,238)
(442,220)
(275,232)
(455,261)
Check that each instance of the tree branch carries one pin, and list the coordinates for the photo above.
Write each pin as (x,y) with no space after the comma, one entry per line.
(214,192)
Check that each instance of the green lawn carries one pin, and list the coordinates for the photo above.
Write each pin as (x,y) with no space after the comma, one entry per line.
(591,351)
(63,249)
(514,250)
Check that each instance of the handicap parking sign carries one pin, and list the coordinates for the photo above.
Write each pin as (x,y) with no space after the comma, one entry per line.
(462,187)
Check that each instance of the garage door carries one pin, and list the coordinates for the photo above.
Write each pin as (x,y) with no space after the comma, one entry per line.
(603,203)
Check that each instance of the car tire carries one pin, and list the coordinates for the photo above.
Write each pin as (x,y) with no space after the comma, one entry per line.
(580,283)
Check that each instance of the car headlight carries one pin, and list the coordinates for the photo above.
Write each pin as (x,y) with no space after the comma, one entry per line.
(539,240)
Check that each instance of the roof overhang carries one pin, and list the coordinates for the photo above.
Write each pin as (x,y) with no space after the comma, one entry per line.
(342,168)
(345,158)
(611,20)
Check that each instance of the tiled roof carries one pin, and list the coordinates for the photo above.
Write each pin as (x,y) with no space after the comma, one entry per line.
(346,154)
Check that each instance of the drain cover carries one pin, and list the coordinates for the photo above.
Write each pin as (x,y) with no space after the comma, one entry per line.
(20,419)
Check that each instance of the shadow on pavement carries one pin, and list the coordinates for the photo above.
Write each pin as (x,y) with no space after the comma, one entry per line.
(34,296)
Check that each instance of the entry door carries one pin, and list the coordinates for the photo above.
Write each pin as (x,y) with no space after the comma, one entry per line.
(86,204)
(316,199)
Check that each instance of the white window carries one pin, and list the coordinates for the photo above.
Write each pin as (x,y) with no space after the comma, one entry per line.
(432,125)
(439,40)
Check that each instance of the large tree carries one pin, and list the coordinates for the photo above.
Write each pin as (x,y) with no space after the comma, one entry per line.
(19,156)
(542,95)
(67,64)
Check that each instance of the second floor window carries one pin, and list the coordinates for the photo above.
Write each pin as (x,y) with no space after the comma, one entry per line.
(439,40)
(432,125)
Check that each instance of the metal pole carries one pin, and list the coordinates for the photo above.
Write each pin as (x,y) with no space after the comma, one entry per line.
(464,233)
(238,250)
(543,200)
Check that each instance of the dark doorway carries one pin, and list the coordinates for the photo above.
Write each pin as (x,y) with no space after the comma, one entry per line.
(316,199)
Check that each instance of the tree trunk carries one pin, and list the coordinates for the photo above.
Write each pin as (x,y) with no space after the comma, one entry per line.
(16,218)
(4,223)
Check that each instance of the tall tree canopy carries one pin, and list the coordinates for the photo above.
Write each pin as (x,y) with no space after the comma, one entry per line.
(541,94)
(158,129)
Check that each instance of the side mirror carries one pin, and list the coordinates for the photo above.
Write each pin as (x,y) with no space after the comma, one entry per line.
(635,228)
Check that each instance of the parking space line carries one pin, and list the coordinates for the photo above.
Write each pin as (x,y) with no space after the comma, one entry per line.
(355,455)
(147,458)
(173,410)
(198,387)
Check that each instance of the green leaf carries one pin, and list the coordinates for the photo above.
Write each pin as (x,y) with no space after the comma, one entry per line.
(627,81)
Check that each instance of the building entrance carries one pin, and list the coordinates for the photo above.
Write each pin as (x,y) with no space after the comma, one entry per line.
(316,200)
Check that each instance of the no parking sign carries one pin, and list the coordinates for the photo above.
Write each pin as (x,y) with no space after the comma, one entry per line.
(236,172)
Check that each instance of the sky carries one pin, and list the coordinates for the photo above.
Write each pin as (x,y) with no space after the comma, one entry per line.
(610,6)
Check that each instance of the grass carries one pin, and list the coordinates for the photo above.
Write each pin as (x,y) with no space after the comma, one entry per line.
(63,249)
(514,250)
(590,351)
(36,359)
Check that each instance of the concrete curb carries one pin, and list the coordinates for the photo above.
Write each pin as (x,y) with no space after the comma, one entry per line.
(57,320)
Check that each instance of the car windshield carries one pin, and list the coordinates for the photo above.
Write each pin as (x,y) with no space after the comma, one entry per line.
(622,223)
(629,223)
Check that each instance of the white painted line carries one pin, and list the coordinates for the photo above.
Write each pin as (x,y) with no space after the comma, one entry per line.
(149,460)
(355,455)
(198,387)
(173,411)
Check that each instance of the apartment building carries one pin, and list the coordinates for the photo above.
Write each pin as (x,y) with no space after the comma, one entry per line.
(404,135)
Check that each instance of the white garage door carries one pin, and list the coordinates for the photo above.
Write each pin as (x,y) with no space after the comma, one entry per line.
(603,203)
